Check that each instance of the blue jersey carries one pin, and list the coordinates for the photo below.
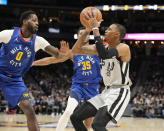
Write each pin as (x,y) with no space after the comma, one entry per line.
(86,69)
(17,55)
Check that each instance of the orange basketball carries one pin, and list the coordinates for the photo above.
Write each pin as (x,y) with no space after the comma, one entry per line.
(92,10)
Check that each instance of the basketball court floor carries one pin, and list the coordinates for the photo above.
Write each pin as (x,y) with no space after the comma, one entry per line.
(48,123)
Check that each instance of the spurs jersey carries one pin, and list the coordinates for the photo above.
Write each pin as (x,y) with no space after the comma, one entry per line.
(115,72)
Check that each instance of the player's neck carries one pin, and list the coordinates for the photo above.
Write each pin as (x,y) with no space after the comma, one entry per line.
(113,44)
(25,33)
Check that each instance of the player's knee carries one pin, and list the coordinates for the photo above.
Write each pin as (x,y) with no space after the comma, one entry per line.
(27,108)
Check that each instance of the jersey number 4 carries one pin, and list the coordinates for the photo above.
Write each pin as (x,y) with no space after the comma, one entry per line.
(19,56)
(86,65)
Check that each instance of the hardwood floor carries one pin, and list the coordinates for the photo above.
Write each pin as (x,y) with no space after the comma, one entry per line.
(48,123)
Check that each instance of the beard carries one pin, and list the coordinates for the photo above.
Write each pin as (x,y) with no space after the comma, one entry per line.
(31,29)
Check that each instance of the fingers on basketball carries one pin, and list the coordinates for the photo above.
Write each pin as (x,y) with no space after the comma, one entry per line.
(88,13)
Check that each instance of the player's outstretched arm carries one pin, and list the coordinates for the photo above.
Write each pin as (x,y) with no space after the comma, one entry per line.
(53,51)
(58,53)
(65,50)
(80,48)
(48,61)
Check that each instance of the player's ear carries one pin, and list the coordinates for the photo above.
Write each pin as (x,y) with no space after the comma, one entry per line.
(24,21)
(118,34)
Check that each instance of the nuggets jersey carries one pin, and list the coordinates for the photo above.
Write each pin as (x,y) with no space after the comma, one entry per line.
(86,69)
(17,55)
(115,72)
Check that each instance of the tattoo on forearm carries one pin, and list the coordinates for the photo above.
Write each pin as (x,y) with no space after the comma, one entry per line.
(52,51)
(83,36)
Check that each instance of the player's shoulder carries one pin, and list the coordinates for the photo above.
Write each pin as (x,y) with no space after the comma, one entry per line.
(123,45)
(41,43)
(6,35)
(39,38)
(8,31)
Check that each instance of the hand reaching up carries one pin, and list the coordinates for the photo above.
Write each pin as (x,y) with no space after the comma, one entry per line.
(64,49)
(92,21)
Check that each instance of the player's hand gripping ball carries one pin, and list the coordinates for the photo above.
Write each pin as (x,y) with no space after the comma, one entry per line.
(91,10)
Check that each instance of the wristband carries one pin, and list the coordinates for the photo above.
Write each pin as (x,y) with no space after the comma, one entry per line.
(95,28)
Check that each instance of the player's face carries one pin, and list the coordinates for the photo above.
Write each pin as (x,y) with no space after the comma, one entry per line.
(80,33)
(111,33)
(32,23)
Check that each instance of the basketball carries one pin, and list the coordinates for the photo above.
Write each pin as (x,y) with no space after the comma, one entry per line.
(92,10)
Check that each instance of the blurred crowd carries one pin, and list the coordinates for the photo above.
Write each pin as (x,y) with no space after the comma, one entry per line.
(149,101)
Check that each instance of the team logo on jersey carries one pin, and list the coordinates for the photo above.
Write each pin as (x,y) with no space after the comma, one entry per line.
(110,67)
(18,52)
(86,64)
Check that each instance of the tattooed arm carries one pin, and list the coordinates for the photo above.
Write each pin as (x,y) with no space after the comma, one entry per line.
(48,61)
(53,51)
(79,47)
(64,49)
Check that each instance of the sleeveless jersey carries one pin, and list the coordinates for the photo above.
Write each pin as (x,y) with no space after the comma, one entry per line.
(115,72)
(86,69)
(17,55)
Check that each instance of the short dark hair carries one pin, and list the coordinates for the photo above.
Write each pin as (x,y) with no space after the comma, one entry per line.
(122,30)
(25,15)
(79,29)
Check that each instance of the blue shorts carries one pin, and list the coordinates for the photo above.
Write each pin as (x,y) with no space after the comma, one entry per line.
(84,90)
(14,90)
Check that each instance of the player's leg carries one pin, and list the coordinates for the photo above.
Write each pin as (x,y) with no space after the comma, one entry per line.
(101,119)
(71,105)
(88,122)
(84,111)
(28,110)
(17,93)
(90,91)
(73,101)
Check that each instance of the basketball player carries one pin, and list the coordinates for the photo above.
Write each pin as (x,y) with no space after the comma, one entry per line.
(16,56)
(111,103)
(85,81)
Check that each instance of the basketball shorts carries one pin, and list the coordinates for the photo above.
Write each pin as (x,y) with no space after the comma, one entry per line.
(115,98)
(84,90)
(14,90)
